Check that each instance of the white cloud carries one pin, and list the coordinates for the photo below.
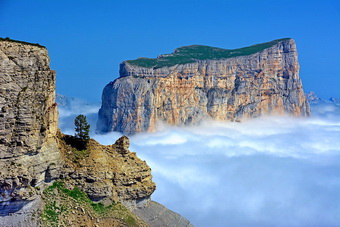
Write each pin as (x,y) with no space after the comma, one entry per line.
(262,172)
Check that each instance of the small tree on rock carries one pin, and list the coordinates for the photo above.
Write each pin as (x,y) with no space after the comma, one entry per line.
(82,128)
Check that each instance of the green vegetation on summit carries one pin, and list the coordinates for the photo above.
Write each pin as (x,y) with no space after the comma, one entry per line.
(189,54)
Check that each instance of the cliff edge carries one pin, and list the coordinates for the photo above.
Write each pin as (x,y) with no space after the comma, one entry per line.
(200,82)
(28,123)
(51,179)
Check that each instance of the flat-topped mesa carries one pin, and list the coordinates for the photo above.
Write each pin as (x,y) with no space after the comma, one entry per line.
(200,82)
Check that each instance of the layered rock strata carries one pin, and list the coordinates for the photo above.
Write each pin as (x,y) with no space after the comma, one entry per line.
(28,123)
(227,89)
(108,173)
(33,153)
(113,173)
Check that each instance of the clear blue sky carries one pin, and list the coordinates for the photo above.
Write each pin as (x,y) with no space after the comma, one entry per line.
(88,39)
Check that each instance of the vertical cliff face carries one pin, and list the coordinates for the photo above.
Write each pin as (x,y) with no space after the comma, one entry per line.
(233,84)
(28,123)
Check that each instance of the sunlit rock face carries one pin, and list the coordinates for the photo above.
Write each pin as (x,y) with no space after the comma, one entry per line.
(28,123)
(263,83)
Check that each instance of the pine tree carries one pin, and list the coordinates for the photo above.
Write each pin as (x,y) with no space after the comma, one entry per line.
(82,127)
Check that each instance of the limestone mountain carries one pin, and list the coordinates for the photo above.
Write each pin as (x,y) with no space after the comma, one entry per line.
(51,179)
(199,82)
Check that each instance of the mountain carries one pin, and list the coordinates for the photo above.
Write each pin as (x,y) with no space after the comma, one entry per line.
(326,108)
(200,82)
(314,99)
(51,179)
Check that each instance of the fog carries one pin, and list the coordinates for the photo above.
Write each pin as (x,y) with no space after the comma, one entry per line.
(273,171)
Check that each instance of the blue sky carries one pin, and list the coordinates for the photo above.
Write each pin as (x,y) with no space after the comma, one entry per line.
(87,40)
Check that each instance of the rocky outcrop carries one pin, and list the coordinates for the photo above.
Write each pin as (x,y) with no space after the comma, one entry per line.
(35,156)
(107,173)
(112,173)
(28,123)
(248,82)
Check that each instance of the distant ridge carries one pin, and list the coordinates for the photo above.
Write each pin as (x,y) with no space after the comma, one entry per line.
(189,54)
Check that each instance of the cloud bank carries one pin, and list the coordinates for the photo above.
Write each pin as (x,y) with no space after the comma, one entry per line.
(261,172)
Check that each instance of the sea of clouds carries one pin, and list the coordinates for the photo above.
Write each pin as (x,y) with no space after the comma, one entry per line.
(272,171)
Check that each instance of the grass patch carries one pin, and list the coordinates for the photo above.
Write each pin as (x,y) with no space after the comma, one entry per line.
(190,54)
(76,194)
(58,198)
(51,213)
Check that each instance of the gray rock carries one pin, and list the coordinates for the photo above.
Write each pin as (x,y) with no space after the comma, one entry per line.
(157,215)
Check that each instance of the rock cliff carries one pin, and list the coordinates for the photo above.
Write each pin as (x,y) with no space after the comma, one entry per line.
(28,123)
(51,179)
(199,82)
(107,173)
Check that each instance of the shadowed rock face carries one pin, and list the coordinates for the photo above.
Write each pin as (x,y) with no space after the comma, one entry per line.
(266,82)
(28,123)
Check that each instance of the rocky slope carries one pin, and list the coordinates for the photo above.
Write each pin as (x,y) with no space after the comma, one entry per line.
(96,182)
(199,82)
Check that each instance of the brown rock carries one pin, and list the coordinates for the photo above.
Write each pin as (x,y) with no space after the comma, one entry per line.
(122,145)
(227,89)
(108,172)
(28,123)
